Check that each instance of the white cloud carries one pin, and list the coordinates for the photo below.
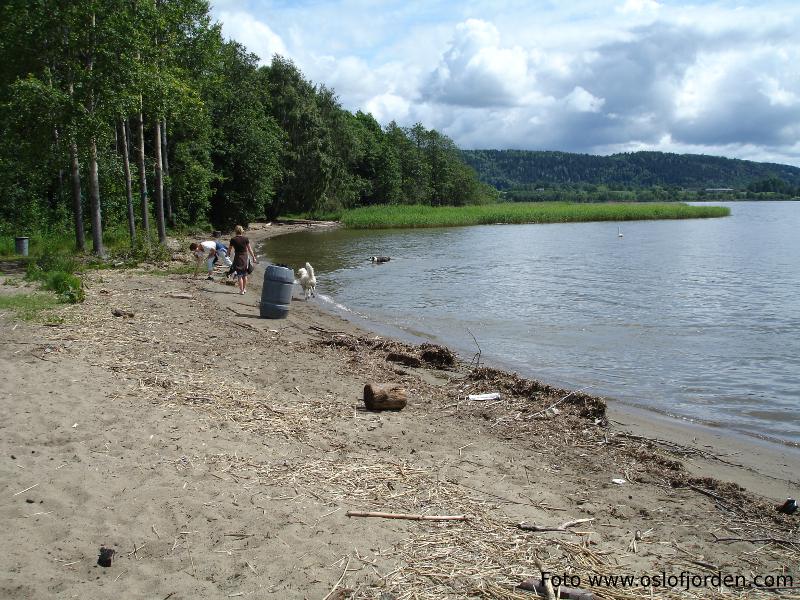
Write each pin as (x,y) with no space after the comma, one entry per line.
(388,107)
(256,36)
(476,71)
(638,7)
(588,75)
(582,101)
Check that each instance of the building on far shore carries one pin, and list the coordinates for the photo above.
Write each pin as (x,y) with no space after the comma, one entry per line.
(718,190)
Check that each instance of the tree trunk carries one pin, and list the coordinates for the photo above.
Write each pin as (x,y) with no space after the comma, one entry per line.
(94,198)
(128,187)
(159,184)
(57,138)
(143,179)
(167,186)
(77,206)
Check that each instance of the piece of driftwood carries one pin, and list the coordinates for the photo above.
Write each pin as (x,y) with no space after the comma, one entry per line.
(534,584)
(125,314)
(179,295)
(404,359)
(562,527)
(385,397)
(407,516)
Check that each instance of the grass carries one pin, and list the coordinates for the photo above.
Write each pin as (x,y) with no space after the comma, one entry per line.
(28,306)
(405,216)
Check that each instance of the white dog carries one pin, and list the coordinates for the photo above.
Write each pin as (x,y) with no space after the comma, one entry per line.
(307,281)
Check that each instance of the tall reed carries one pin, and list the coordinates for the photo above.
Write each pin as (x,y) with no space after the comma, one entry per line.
(396,216)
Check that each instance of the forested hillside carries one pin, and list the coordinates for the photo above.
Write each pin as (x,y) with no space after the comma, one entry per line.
(522,169)
(139,115)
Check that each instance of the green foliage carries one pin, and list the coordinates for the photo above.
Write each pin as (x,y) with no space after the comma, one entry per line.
(384,217)
(55,272)
(142,252)
(67,287)
(243,141)
(535,170)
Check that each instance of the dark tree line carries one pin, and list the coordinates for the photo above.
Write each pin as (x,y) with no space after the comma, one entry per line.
(532,170)
(137,114)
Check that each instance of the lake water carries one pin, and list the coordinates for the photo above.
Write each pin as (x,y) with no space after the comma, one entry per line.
(699,319)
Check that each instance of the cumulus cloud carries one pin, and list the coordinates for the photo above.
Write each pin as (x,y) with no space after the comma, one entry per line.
(477,71)
(587,76)
(255,35)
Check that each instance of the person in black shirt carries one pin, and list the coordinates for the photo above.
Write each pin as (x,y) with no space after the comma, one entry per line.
(239,247)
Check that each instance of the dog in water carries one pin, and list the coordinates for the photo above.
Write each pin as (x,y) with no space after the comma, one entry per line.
(307,281)
(380,259)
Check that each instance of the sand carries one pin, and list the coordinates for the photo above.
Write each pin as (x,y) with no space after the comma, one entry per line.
(218,454)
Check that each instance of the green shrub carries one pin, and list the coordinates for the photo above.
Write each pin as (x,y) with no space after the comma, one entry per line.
(67,287)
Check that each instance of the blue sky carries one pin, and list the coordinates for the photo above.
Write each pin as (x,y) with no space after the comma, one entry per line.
(593,76)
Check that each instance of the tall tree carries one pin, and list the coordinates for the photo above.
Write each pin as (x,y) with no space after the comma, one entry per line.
(123,132)
(158,182)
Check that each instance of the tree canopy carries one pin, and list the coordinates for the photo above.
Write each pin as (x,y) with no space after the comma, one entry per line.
(120,113)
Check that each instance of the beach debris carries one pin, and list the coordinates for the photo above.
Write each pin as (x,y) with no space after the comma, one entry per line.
(563,527)
(619,481)
(404,359)
(484,397)
(438,356)
(788,508)
(106,554)
(549,413)
(390,396)
(534,584)
(407,516)
(125,314)
(179,295)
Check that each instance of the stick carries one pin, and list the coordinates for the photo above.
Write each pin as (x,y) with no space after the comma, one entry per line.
(477,357)
(383,515)
(755,540)
(336,585)
(562,527)
(25,490)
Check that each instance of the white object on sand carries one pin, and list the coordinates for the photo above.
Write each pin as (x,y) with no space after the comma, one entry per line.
(619,481)
(484,397)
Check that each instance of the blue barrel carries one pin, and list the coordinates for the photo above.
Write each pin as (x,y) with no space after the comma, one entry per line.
(21,246)
(276,293)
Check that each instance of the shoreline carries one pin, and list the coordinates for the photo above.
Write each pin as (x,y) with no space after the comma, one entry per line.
(222,455)
(775,459)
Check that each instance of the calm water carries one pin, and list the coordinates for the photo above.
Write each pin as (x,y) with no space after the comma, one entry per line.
(697,318)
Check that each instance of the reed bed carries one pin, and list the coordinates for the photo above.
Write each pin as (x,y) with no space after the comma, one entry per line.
(484,557)
(404,216)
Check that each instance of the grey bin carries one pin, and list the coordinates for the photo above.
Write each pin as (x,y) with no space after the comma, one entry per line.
(21,246)
(276,293)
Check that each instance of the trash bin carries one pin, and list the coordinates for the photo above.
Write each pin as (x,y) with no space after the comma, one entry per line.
(276,293)
(21,246)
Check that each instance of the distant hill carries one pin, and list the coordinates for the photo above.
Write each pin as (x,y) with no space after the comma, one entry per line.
(519,169)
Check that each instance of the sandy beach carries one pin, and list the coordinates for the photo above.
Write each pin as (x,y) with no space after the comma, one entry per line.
(218,455)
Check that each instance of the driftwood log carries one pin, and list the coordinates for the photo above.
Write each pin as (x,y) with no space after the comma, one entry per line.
(389,396)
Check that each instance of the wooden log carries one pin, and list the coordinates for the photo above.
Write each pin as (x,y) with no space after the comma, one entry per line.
(389,396)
